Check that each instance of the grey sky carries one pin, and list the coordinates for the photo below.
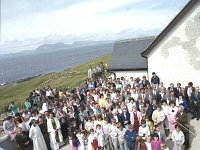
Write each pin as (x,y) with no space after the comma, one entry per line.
(28,23)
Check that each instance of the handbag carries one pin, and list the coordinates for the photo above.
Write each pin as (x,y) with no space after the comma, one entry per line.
(94,143)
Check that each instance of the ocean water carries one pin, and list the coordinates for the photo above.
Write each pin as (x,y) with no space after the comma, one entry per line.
(17,67)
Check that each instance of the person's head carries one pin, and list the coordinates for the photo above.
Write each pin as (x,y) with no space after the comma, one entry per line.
(40,120)
(19,130)
(138,139)
(196,89)
(153,74)
(144,77)
(51,115)
(119,126)
(156,136)
(12,103)
(131,127)
(190,84)
(113,121)
(171,85)
(172,104)
(98,126)
(25,111)
(158,108)
(148,139)
(143,122)
(124,110)
(91,131)
(163,146)
(177,127)
(180,109)
(134,109)
(33,122)
(164,102)
(9,118)
(178,85)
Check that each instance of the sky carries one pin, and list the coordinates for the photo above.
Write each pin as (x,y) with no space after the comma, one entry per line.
(26,24)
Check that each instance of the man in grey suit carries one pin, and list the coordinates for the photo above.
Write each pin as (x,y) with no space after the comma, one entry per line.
(195,98)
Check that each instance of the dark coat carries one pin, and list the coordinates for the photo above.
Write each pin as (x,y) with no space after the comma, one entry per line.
(149,111)
(130,138)
(125,117)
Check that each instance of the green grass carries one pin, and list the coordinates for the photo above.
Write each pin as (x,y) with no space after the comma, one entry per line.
(66,79)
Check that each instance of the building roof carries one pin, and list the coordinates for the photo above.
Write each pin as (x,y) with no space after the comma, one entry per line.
(126,54)
(170,26)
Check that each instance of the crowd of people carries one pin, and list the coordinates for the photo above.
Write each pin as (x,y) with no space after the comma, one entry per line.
(106,114)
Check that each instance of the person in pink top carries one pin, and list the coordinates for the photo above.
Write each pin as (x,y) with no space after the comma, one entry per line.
(155,143)
(171,116)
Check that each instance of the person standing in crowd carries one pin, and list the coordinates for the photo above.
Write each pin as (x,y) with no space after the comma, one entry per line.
(130,137)
(135,118)
(125,117)
(9,127)
(43,128)
(172,111)
(53,126)
(36,135)
(90,72)
(182,120)
(22,139)
(155,143)
(121,137)
(113,134)
(178,138)
(155,80)
(195,98)
(188,91)
(13,109)
(140,144)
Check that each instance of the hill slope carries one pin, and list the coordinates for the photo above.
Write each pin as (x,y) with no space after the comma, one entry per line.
(69,78)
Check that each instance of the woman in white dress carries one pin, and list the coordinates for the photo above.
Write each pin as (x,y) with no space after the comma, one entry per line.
(36,135)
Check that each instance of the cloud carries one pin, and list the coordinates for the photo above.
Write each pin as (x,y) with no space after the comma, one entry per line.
(69,20)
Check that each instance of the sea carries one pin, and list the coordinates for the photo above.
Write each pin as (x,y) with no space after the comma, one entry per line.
(19,66)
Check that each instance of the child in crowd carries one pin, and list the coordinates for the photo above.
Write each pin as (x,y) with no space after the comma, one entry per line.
(155,143)
(100,137)
(143,130)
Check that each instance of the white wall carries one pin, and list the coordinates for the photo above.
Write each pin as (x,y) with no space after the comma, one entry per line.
(177,57)
(129,74)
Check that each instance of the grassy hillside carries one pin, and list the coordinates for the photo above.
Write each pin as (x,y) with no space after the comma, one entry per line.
(69,78)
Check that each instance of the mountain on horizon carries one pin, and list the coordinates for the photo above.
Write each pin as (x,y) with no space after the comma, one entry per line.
(62,46)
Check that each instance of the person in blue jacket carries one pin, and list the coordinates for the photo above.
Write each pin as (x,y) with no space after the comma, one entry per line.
(130,136)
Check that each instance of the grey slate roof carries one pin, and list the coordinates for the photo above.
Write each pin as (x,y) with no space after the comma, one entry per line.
(126,54)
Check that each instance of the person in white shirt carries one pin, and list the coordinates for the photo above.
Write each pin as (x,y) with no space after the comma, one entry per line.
(178,138)
(106,129)
(113,134)
(144,130)
(121,137)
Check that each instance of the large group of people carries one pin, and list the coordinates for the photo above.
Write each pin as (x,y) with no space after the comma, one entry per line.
(106,114)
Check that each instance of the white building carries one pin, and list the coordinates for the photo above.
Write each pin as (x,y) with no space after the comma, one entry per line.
(175,54)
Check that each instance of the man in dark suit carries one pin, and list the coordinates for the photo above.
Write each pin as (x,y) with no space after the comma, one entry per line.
(173,89)
(188,91)
(195,98)
(155,80)
(182,120)
(178,88)
(149,109)
(125,117)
